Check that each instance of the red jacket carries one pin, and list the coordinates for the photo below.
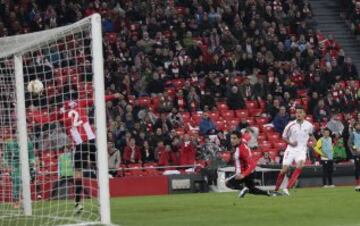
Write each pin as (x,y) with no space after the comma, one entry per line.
(187,154)
(128,152)
(163,156)
(244,162)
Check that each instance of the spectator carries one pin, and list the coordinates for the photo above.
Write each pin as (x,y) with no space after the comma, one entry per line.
(335,125)
(281,120)
(324,147)
(132,153)
(321,112)
(206,125)
(280,157)
(164,123)
(339,149)
(313,101)
(273,108)
(165,103)
(219,40)
(207,101)
(209,149)
(162,154)
(156,85)
(157,137)
(175,118)
(193,100)
(254,133)
(187,151)
(114,159)
(243,124)
(354,146)
(266,159)
(349,70)
(247,90)
(223,141)
(146,43)
(235,100)
(318,85)
(147,153)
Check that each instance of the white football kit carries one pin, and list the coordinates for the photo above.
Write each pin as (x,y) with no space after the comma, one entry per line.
(295,131)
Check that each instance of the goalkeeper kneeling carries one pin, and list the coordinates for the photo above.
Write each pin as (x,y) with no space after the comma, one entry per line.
(12,161)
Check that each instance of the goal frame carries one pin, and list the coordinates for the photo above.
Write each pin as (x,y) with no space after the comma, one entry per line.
(100,116)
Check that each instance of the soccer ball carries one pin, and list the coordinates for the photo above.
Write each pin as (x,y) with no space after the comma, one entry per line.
(35,86)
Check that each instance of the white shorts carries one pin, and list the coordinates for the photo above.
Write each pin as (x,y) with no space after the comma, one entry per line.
(292,155)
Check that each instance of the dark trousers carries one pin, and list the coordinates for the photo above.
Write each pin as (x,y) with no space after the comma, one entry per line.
(357,167)
(328,166)
(249,183)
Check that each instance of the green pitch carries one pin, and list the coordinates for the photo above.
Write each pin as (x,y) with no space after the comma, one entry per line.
(305,207)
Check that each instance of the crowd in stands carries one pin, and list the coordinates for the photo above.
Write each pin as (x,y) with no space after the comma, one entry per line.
(352,8)
(189,71)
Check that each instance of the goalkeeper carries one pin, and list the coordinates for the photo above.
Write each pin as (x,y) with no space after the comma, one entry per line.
(12,161)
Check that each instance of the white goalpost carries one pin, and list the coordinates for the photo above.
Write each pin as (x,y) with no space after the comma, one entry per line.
(53,139)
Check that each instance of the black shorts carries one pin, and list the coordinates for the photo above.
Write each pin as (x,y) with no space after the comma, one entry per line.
(239,184)
(83,153)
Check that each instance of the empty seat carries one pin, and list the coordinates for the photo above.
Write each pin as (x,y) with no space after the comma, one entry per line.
(251,104)
(241,113)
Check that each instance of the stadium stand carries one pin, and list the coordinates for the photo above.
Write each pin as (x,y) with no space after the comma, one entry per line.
(240,61)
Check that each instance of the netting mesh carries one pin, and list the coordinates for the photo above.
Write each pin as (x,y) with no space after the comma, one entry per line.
(61,135)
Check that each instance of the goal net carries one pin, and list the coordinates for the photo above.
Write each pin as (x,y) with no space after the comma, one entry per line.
(52,171)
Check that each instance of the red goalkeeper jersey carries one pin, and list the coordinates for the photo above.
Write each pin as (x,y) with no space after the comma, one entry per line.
(244,162)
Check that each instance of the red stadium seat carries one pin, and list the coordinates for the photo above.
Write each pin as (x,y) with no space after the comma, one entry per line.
(255,111)
(273,136)
(232,124)
(261,120)
(256,154)
(251,104)
(186,116)
(227,115)
(131,99)
(279,145)
(250,120)
(241,113)
(221,106)
(265,146)
(262,104)
(214,115)
(262,137)
(220,125)
(135,172)
(151,170)
(178,83)
(155,102)
(144,101)
(268,129)
(196,119)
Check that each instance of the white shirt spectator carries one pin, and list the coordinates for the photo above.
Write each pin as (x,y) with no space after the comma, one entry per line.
(335,126)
